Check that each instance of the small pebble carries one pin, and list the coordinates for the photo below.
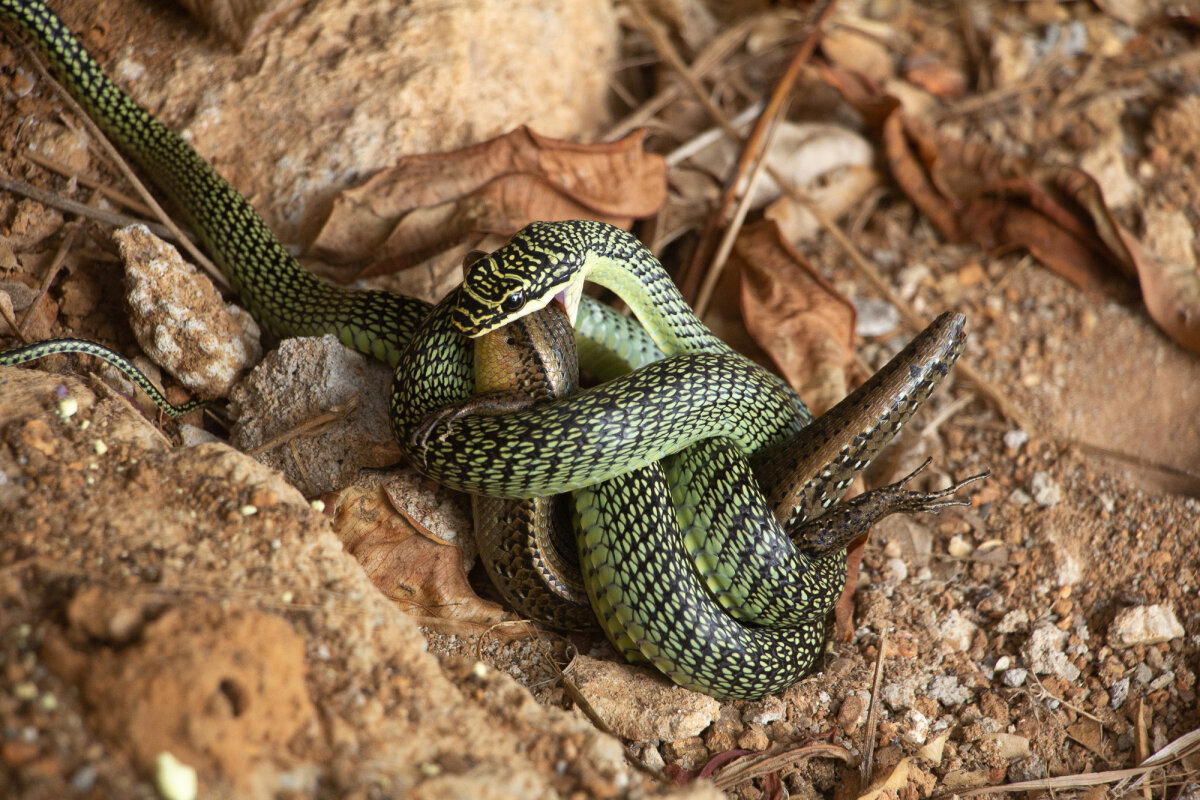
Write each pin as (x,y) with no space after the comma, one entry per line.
(318,505)
(1162,681)
(1142,674)
(875,317)
(1020,497)
(1118,693)
(959,547)
(25,690)
(100,447)
(67,407)
(174,779)
(287,596)
(1044,490)
(248,510)
(1014,440)
(1144,625)
(1014,677)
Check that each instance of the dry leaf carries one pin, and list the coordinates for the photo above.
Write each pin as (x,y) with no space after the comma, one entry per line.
(420,572)
(795,315)
(239,21)
(427,203)
(894,781)
(1059,214)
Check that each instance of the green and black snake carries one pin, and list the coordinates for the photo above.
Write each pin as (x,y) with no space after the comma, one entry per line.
(741,555)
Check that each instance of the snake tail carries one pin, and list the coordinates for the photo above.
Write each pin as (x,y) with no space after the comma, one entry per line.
(50,347)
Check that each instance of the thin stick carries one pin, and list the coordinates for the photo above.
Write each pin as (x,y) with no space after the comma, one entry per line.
(112,194)
(868,747)
(82,209)
(709,137)
(689,279)
(119,161)
(717,266)
(712,55)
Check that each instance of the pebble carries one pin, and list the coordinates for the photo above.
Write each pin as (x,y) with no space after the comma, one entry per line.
(895,571)
(174,779)
(899,696)
(1020,497)
(1014,621)
(1044,490)
(959,547)
(1142,674)
(636,705)
(948,691)
(1045,656)
(67,407)
(1008,745)
(1118,693)
(1162,681)
(1143,625)
(875,317)
(1014,440)
(1027,769)
(957,631)
(918,727)
(1014,677)
(764,712)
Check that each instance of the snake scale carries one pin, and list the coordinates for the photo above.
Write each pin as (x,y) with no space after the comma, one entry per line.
(653,590)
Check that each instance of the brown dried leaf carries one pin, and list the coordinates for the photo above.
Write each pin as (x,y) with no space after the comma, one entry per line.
(421,573)
(239,21)
(795,315)
(1058,214)
(428,202)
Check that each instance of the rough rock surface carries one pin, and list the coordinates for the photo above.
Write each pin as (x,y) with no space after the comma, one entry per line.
(637,704)
(245,624)
(180,319)
(301,380)
(1144,625)
(358,83)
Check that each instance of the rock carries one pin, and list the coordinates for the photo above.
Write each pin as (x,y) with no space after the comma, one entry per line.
(637,704)
(1144,625)
(918,727)
(1044,490)
(875,317)
(1142,674)
(1014,677)
(179,318)
(1014,440)
(957,631)
(1013,622)
(899,696)
(1044,653)
(325,105)
(247,624)
(948,691)
(763,712)
(1118,693)
(853,711)
(300,380)
(1007,745)
(1030,768)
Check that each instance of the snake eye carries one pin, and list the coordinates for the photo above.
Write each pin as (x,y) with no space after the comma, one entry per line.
(514,301)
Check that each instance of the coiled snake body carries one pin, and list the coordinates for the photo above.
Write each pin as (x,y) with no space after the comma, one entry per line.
(653,589)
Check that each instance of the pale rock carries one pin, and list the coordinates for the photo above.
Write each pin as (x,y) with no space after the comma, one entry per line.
(1144,625)
(1118,693)
(1014,621)
(1007,746)
(639,705)
(957,631)
(765,711)
(899,696)
(918,727)
(300,380)
(1044,490)
(1014,677)
(1045,656)
(948,691)
(179,318)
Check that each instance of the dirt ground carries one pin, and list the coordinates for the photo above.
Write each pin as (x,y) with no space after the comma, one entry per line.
(166,598)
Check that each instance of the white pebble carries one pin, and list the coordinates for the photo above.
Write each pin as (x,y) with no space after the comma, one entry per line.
(67,407)
(174,779)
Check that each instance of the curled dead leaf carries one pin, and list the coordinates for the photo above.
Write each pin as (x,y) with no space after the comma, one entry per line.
(428,203)
(1058,214)
(419,571)
(795,315)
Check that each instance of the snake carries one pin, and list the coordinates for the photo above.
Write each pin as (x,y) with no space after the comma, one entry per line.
(750,411)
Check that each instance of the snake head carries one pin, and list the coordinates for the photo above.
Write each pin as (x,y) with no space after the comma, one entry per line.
(541,262)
